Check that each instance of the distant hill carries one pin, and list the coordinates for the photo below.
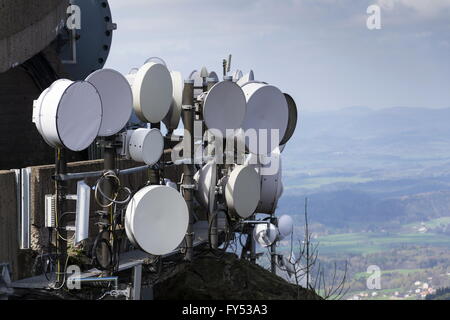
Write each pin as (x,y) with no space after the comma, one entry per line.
(361,166)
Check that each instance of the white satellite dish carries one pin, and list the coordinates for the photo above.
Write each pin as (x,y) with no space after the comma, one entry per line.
(146,145)
(172,118)
(292,120)
(205,179)
(224,107)
(237,75)
(156,219)
(117,99)
(271,184)
(267,110)
(198,82)
(242,191)
(246,78)
(213,75)
(265,234)
(68,114)
(152,92)
(285,225)
(156,60)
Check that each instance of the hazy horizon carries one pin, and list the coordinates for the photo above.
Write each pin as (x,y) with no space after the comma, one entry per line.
(319,51)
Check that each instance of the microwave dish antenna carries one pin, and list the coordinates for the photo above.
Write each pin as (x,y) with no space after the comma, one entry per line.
(157,219)
(265,234)
(68,114)
(242,191)
(224,107)
(117,100)
(152,92)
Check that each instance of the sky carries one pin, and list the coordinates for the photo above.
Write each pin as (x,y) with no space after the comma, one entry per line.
(319,51)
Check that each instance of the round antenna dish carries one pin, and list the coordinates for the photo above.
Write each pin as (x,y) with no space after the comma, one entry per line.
(265,234)
(237,75)
(152,92)
(292,120)
(146,145)
(198,82)
(204,178)
(267,110)
(285,225)
(271,184)
(224,107)
(242,191)
(156,219)
(173,116)
(246,78)
(156,60)
(68,114)
(213,75)
(117,100)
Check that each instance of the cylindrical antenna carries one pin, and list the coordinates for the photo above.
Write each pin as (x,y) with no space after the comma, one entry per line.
(229,63)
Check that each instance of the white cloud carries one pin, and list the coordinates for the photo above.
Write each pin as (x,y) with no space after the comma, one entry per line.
(424,8)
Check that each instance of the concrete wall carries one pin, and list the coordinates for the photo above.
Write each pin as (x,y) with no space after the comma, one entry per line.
(9,243)
(27,27)
(42,184)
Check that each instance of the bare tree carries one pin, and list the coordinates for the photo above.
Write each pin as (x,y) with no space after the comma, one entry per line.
(302,267)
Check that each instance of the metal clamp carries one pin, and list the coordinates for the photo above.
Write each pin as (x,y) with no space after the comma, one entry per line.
(187,107)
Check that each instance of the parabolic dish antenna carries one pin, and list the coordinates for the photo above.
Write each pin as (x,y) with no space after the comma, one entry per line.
(265,234)
(146,145)
(213,75)
(267,110)
(237,75)
(156,60)
(117,100)
(224,107)
(205,179)
(152,92)
(246,78)
(271,184)
(198,82)
(292,120)
(172,118)
(242,191)
(68,114)
(285,225)
(156,219)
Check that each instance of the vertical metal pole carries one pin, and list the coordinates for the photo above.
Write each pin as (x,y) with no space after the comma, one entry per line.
(188,153)
(252,243)
(273,251)
(153,175)
(61,233)
(109,163)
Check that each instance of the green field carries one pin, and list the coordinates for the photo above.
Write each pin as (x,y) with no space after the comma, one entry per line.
(367,243)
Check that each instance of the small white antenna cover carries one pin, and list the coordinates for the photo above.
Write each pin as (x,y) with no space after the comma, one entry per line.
(265,234)
(146,145)
(246,78)
(117,99)
(224,108)
(285,225)
(242,191)
(152,92)
(157,219)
